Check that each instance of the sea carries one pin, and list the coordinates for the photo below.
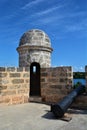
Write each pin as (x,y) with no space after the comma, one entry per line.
(83,81)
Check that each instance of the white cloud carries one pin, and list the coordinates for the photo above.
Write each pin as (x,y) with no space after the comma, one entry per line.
(77,14)
(81,25)
(46,20)
(74,27)
(30,4)
(48,10)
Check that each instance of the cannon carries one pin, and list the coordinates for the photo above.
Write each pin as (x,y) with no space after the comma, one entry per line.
(61,107)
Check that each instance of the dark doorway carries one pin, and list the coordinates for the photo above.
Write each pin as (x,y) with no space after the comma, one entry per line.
(35,79)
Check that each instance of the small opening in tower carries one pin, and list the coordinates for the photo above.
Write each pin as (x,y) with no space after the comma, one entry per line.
(34,69)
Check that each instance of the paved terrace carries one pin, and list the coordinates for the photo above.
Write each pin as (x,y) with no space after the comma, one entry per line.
(34,116)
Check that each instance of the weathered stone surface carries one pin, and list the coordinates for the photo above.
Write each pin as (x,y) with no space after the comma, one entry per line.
(17,99)
(44,74)
(43,80)
(25,86)
(27,80)
(17,81)
(18,86)
(6,99)
(26,75)
(86,76)
(0,81)
(43,70)
(2,68)
(26,99)
(8,92)
(21,91)
(53,84)
(14,86)
(20,69)
(62,80)
(11,69)
(56,86)
(3,75)
(53,80)
(27,69)
(3,87)
(14,74)
(34,47)
(4,81)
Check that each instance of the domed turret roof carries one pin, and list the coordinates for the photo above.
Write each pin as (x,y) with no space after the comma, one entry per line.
(35,37)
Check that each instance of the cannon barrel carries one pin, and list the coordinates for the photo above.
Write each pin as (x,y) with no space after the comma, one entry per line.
(61,107)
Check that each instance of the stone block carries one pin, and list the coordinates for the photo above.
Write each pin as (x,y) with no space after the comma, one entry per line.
(17,99)
(42,79)
(6,99)
(26,99)
(2,68)
(62,80)
(18,86)
(43,70)
(26,75)
(56,86)
(17,81)
(54,75)
(21,91)
(8,92)
(44,85)
(14,75)
(24,86)
(4,81)
(2,75)
(1,99)
(0,81)
(44,74)
(3,87)
(11,69)
(27,69)
(27,80)
(53,80)
(20,69)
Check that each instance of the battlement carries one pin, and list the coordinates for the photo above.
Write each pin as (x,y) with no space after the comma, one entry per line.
(14,69)
(15,83)
(86,76)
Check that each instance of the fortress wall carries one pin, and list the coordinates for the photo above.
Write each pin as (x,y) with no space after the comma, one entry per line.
(86,76)
(56,83)
(14,85)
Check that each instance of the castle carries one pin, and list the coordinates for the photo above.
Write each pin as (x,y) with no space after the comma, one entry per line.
(35,78)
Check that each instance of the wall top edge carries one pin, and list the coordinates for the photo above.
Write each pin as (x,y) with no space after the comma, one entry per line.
(13,69)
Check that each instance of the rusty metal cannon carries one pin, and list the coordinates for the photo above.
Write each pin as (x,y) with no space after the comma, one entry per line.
(61,107)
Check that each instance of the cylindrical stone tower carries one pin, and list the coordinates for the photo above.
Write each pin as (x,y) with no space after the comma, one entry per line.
(34,46)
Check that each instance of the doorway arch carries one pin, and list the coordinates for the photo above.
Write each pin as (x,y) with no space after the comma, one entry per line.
(35,79)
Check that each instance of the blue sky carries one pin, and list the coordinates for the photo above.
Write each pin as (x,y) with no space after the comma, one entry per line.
(65,22)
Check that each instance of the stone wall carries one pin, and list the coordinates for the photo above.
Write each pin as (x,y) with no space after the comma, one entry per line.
(14,85)
(86,76)
(56,83)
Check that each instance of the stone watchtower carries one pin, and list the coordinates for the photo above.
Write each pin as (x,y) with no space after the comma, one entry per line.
(34,47)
